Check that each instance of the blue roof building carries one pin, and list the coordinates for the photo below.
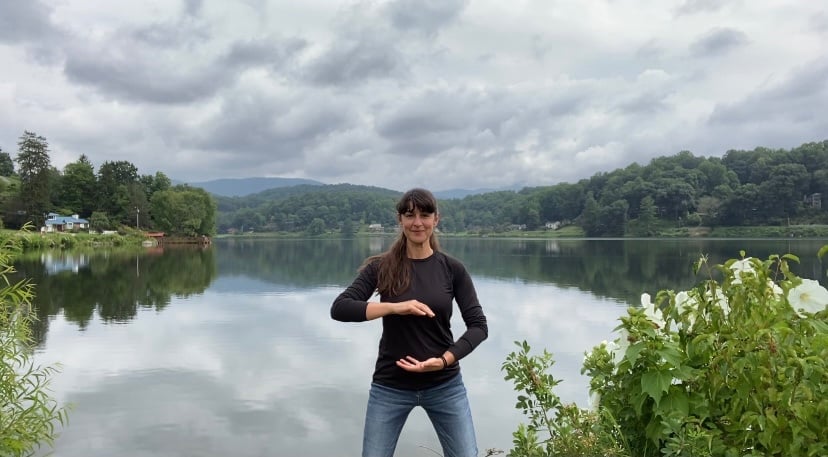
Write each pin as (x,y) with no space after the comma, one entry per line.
(57,223)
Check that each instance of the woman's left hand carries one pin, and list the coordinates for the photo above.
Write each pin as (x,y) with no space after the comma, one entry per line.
(411,364)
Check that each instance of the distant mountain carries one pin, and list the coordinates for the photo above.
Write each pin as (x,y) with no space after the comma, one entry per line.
(460,193)
(239,187)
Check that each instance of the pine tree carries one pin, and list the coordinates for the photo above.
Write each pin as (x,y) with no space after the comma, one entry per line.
(33,159)
(6,164)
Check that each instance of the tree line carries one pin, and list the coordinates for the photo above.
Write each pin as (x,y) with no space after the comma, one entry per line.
(114,196)
(759,187)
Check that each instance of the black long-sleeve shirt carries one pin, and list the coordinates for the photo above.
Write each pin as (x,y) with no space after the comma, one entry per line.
(436,281)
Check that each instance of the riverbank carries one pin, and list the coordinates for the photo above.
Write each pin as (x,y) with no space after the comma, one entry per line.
(67,240)
(131,237)
(792,231)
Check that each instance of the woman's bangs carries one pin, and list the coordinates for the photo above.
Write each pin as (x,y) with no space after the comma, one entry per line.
(417,199)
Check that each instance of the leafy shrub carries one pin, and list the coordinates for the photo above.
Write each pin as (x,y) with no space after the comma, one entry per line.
(28,414)
(554,429)
(733,367)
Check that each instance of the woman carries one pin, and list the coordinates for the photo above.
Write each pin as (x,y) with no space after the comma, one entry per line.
(417,364)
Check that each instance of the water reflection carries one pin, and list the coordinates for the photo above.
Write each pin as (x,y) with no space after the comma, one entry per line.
(112,284)
(231,351)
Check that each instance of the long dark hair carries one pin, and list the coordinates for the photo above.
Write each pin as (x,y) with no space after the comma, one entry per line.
(395,267)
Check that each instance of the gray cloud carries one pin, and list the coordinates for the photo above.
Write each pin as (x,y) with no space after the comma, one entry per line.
(799,99)
(193,7)
(699,6)
(257,131)
(156,80)
(356,61)
(819,22)
(718,41)
(145,64)
(266,51)
(22,22)
(427,16)
(490,94)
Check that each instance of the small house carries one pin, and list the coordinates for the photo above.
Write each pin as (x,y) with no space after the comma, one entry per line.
(57,223)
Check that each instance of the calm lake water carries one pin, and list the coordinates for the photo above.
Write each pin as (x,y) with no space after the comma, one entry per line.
(230,351)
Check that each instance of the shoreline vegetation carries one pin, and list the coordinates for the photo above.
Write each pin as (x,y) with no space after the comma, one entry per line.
(130,237)
(813,231)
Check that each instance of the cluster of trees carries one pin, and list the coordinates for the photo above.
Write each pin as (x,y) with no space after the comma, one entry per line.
(757,187)
(308,208)
(116,195)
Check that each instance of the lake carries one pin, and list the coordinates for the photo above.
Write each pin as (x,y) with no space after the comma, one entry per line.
(231,350)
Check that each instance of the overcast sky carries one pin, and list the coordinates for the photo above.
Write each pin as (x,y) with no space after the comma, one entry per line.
(437,93)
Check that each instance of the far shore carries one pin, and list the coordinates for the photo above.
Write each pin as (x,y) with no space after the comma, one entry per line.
(573,232)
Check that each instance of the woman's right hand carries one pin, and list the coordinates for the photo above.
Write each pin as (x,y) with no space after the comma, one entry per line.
(411,307)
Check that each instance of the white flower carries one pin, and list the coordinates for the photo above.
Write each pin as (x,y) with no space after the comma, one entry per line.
(776,290)
(684,302)
(720,300)
(618,348)
(739,267)
(612,346)
(653,314)
(808,296)
(594,401)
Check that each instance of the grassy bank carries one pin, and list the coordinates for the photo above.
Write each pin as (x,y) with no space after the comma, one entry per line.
(37,240)
(791,231)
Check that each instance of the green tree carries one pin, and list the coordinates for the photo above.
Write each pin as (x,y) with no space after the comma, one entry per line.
(529,214)
(184,211)
(78,186)
(708,210)
(743,207)
(674,197)
(589,219)
(114,194)
(99,221)
(613,218)
(6,164)
(316,227)
(28,414)
(347,228)
(34,172)
(782,191)
(644,225)
(137,202)
(153,184)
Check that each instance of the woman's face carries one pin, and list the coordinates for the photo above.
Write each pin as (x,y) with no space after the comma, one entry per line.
(418,225)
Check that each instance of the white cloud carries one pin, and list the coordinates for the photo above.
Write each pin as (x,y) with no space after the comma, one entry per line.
(457,94)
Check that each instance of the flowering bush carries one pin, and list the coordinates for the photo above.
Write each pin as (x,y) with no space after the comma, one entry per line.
(729,368)
(735,366)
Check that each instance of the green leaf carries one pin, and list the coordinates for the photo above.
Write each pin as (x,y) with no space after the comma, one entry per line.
(671,354)
(655,383)
(633,351)
(676,400)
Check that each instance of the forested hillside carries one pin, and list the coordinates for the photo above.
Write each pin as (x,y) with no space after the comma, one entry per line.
(744,187)
(113,197)
(759,187)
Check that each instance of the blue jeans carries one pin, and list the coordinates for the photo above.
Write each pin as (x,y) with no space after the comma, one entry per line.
(447,407)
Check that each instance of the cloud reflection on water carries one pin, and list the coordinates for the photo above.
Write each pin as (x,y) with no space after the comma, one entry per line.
(248,374)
